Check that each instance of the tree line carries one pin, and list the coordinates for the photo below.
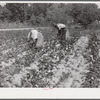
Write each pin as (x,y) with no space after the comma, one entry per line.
(48,13)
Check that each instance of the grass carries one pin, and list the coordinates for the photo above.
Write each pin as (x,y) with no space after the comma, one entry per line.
(11,25)
(6,25)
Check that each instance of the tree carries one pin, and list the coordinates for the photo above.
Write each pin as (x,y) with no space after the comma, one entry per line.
(37,13)
(17,11)
(4,13)
(40,8)
(98,15)
(83,13)
(57,13)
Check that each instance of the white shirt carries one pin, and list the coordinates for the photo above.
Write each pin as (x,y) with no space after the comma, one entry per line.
(34,34)
(59,25)
(40,41)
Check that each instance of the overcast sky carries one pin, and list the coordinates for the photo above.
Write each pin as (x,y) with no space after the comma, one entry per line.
(95,3)
(98,4)
(2,4)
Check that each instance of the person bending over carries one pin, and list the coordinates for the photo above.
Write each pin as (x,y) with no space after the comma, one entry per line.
(35,39)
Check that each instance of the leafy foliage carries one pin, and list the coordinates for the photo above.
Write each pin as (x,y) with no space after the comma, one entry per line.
(83,13)
(48,13)
(52,66)
(17,11)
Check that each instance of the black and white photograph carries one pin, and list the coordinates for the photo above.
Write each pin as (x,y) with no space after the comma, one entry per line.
(49,45)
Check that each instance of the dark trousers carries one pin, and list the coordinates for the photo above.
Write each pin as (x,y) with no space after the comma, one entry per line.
(62,37)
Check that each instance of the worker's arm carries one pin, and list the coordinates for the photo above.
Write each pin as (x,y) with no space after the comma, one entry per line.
(35,42)
(55,25)
(29,36)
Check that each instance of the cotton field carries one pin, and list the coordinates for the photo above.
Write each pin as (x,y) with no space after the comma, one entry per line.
(51,67)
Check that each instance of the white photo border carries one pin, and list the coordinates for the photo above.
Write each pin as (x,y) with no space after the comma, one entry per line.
(56,93)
